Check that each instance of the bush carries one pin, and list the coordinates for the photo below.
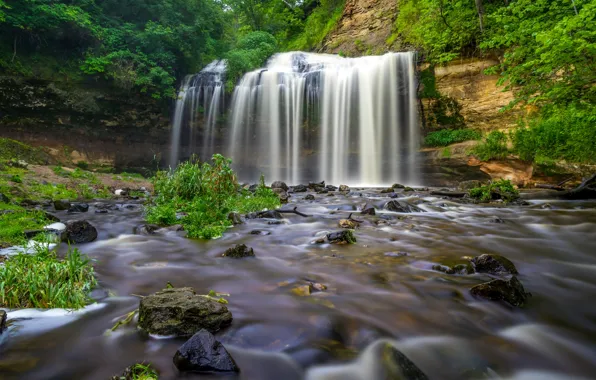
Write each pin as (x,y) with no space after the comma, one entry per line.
(41,280)
(250,53)
(446,137)
(203,195)
(494,146)
(564,134)
(501,189)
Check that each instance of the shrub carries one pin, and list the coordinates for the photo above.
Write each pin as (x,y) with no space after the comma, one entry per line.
(42,280)
(494,146)
(446,137)
(501,189)
(203,195)
(83,165)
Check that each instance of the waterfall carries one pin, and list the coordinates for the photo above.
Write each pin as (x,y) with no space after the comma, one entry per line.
(200,102)
(312,117)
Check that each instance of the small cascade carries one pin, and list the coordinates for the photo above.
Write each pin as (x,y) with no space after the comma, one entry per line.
(200,102)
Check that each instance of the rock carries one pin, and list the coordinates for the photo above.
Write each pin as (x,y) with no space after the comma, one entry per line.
(80,231)
(270,214)
(202,353)
(302,291)
(279,185)
(447,193)
(260,232)
(330,194)
(323,191)
(78,207)
(239,251)
(235,218)
(510,291)
(181,312)
(398,186)
(393,195)
(101,211)
(347,223)
(61,204)
(396,365)
(284,197)
(300,189)
(493,264)
(252,188)
(496,219)
(50,217)
(396,254)
(309,197)
(2,321)
(146,229)
(331,187)
(468,185)
(368,210)
(388,190)
(456,269)
(316,185)
(408,189)
(342,237)
(399,206)
(30,234)
(320,240)
(344,188)
(58,228)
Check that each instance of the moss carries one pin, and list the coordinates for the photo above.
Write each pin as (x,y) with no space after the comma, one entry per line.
(15,220)
(15,150)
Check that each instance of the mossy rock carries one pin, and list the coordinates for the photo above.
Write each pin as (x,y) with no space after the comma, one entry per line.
(181,312)
(15,150)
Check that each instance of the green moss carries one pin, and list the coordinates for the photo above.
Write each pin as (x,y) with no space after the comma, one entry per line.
(446,137)
(501,189)
(14,150)
(15,220)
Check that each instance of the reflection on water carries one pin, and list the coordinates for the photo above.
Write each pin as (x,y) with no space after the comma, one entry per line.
(373,293)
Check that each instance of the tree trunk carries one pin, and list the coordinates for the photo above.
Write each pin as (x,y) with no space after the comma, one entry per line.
(480,10)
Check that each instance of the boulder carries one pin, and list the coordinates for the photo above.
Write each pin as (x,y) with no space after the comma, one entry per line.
(181,312)
(344,188)
(2,321)
(510,291)
(388,190)
(493,264)
(368,210)
(342,237)
(300,189)
(398,186)
(408,189)
(202,353)
(80,231)
(395,365)
(309,197)
(348,223)
(61,204)
(235,218)
(316,185)
(331,187)
(239,251)
(399,206)
(270,214)
(78,207)
(146,229)
(279,185)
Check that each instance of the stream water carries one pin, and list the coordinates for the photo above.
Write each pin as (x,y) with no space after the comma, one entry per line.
(373,293)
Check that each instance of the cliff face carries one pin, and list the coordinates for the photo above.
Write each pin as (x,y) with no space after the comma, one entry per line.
(84,121)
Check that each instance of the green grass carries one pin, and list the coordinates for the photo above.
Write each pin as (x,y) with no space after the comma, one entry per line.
(14,220)
(51,192)
(494,146)
(139,371)
(446,137)
(11,149)
(42,280)
(206,194)
(501,189)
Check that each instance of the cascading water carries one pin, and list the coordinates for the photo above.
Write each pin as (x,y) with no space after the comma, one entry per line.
(309,116)
(200,102)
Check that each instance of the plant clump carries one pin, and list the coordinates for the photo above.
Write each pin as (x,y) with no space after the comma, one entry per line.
(446,137)
(501,189)
(200,196)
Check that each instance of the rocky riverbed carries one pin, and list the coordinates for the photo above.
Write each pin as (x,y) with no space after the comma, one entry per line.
(305,307)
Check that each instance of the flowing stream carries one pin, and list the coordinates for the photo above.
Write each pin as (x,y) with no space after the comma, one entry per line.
(373,293)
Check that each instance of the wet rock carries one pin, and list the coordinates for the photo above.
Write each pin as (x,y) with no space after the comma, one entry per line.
(408,189)
(323,191)
(284,197)
(239,251)
(368,210)
(447,193)
(468,185)
(146,229)
(260,232)
(120,192)
(309,197)
(275,222)
(80,231)
(252,188)
(347,223)
(78,207)
(344,188)
(302,291)
(202,353)
(30,234)
(61,204)
(320,240)
(4,198)
(331,187)
(103,211)
(270,214)
(396,365)
(279,185)
(493,264)
(300,189)
(316,186)
(50,217)
(510,291)
(398,186)
(388,190)
(396,254)
(235,218)
(456,269)
(393,195)
(175,228)
(400,206)
(496,219)
(29,203)
(2,321)
(181,312)
(330,194)
(342,237)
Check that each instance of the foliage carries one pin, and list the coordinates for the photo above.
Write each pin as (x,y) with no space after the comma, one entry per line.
(139,371)
(317,25)
(446,137)
(250,53)
(203,195)
(494,146)
(15,150)
(501,189)
(42,280)
(15,220)
(566,134)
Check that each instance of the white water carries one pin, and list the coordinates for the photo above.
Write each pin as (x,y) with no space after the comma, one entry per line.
(312,117)
(200,102)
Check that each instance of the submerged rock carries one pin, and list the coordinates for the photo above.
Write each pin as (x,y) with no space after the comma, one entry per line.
(61,205)
(260,232)
(181,312)
(239,251)
(493,264)
(309,197)
(80,231)
(2,321)
(344,188)
(396,365)
(235,218)
(302,291)
(78,207)
(368,210)
(300,189)
(456,269)
(146,229)
(399,206)
(270,214)
(279,185)
(202,353)
(510,291)
(341,237)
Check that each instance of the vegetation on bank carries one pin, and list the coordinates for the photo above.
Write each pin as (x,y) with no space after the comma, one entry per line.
(42,280)
(500,189)
(14,220)
(446,137)
(200,196)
